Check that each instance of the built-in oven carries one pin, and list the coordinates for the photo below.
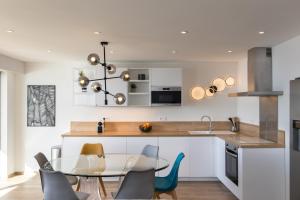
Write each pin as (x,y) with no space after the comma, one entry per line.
(231,162)
(161,96)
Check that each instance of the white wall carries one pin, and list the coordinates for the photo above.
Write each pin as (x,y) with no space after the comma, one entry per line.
(10,70)
(286,67)
(219,107)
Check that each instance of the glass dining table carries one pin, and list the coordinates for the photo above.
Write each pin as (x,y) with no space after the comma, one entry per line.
(90,167)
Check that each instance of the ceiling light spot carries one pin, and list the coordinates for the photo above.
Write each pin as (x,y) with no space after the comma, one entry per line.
(261,32)
(97,32)
(111,52)
(49,51)
(10,31)
(174,51)
(184,32)
(229,51)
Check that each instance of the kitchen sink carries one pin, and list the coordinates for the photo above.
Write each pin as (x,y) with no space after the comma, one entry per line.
(200,132)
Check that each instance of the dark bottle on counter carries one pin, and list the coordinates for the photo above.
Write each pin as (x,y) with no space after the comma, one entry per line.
(100,128)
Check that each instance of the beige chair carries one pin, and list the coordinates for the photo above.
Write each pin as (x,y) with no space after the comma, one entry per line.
(94,149)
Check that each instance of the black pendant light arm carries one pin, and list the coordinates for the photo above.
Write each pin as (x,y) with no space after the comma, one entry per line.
(101,79)
(104,64)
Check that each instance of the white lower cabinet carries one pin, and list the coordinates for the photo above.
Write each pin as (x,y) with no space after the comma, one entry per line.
(72,145)
(201,155)
(169,148)
(135,145)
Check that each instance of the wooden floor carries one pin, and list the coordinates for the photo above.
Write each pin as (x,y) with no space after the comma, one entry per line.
(29,188)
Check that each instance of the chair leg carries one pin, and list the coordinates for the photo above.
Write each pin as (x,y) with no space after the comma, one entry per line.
(78,186)
(102,185)
(173,194)
(156,195)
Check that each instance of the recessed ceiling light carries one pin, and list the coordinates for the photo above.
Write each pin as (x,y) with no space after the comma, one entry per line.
(97,32)
(49,51)
(174,51)
(261,32)
(184,32)
(111,51)
(10,31)
(229,51)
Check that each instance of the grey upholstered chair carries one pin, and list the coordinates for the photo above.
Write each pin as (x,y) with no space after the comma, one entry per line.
(150,151)
(136,185)
(44,164)
(56,186)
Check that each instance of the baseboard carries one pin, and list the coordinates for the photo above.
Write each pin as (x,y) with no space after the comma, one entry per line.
(15,174)
(198,179)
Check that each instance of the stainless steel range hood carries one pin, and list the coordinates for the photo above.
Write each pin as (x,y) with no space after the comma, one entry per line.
(259,74)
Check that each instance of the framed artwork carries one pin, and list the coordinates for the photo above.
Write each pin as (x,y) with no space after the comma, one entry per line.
(41,105)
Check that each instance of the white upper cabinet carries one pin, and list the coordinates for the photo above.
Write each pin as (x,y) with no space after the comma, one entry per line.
(166,77)
(137,91)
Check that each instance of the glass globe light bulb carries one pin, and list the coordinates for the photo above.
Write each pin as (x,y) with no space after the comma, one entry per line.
(83,81)
(125,76)
(111,69)
(230,81)
(93,59)
(220,84)
(120,98)
(96,87)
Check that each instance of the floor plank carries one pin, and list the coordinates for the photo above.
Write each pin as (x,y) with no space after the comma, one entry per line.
(28,188)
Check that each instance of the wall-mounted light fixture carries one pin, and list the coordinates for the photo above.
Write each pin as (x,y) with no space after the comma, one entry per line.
(84,81)
(217,85)
(198,93)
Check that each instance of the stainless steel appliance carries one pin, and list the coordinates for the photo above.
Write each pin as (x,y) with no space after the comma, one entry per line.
(231,162)
(295,139)
(165,96)
(260,85)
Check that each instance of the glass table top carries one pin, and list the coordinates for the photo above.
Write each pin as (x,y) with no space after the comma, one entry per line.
(108,166)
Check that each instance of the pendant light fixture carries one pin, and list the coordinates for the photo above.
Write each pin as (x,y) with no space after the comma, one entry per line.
(84,81)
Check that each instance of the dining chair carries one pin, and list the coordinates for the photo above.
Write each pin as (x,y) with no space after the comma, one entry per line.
(150,151)
(45,164)
(136,185)
(168,183)
(94,149)
(56,186)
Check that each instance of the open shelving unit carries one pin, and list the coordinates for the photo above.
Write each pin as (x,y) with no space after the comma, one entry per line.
(139,90)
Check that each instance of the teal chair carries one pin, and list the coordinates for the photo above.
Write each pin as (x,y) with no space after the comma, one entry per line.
(169,183)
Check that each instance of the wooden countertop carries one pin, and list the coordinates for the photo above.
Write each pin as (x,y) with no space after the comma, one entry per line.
(241,140)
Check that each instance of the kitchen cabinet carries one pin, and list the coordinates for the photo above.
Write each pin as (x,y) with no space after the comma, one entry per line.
(72,145)
(169,148)
(201,155)
(135,145)
(166,77)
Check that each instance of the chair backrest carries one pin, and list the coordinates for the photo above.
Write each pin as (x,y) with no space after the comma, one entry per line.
(137,185)
(43,161)
(150,151)
(173,175)
(56,186)
(92,149)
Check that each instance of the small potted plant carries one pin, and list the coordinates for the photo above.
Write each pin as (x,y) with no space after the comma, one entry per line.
(133,87)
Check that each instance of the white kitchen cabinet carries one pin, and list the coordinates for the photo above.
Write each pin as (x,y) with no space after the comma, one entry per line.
(166,77)
(201,156)
(135,145)
(169,148)
(72,145)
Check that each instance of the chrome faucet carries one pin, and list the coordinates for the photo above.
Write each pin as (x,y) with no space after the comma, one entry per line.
(209,119)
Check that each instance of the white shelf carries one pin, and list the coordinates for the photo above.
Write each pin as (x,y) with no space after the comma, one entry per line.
(139,81)
(138,93)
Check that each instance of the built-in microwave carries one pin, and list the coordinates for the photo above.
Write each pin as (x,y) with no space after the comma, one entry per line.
(165,96)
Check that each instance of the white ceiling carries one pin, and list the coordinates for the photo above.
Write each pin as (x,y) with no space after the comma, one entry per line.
(144,29)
